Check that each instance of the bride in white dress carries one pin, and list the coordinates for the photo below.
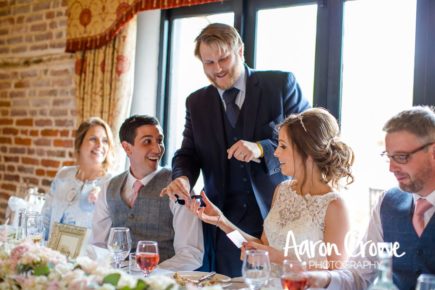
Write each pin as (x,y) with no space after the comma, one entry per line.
(307,209)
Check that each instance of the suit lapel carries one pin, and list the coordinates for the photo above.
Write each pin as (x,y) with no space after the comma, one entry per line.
(252,99)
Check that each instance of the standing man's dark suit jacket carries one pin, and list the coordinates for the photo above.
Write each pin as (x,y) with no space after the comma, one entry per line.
(270,97)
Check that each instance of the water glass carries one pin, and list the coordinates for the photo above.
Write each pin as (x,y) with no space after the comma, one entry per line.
(256,268)
(33,226)
(147,256)
(132,265)
(294,275)
(119,244)
(426,282)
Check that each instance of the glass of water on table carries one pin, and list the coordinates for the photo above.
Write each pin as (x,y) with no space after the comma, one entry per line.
(256,268)
(119,244)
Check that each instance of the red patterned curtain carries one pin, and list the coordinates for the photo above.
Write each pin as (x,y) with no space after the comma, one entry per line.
(102,33)
(94,23)
(104,80)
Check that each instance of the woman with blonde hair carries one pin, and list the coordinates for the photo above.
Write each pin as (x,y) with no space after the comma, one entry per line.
(74,190)
(307,208)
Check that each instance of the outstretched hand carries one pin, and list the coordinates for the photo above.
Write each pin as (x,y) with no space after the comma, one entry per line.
(318,279)
(179,188)
(210,214)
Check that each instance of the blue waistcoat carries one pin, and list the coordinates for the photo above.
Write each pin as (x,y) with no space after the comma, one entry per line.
(240,203)
(396,216)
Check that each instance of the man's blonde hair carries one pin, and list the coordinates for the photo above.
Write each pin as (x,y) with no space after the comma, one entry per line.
(222,35)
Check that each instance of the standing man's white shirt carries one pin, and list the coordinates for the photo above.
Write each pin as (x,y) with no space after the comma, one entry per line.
(188,237)
(361,277)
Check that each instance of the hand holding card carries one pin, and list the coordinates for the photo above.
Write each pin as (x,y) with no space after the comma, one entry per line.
(237,238)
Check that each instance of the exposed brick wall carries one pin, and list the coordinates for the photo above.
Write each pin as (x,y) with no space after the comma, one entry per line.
(37,105)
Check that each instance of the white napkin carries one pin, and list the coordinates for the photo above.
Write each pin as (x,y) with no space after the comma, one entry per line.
(101,255)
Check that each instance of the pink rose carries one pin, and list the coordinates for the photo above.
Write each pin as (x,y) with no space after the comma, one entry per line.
(17,253)
(93,194)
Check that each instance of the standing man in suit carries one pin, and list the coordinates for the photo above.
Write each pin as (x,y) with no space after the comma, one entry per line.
(132,200)
(230,134)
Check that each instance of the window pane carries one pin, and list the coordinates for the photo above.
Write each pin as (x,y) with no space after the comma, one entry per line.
(286,40)
(186,73)
(378,66)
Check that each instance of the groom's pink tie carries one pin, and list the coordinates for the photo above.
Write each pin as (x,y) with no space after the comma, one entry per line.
(136,188)
(421,206)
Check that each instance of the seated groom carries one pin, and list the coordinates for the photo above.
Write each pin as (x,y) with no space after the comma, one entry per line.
(404,215)
(132,200)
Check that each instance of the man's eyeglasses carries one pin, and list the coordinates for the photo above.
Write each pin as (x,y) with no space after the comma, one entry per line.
(403,157)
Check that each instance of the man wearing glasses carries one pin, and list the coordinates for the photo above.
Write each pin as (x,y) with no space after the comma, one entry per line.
(403,215)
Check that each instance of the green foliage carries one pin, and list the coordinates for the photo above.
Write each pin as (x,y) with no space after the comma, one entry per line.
(41,270)
(21,268)
(112,279)
(141,285)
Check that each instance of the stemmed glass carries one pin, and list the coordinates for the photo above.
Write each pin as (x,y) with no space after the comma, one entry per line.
(147,256)
(426,282)
(294,275)
(256,268)
(119,244)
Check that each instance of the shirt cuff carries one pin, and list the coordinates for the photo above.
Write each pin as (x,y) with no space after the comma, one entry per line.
(261,150)
(335,280)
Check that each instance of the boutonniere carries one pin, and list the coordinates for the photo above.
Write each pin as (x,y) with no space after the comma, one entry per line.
(93,194)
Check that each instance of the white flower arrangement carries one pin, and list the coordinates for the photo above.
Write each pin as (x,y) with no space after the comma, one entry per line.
(30,266)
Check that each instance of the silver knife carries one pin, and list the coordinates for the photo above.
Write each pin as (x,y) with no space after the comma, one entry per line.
(206,277)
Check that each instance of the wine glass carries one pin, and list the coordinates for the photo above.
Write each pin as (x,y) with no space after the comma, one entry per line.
(119,244)
(147,256)
(294,275)
(256,268)
(426,282)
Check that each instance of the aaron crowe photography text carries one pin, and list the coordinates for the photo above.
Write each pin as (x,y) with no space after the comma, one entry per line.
(311,249)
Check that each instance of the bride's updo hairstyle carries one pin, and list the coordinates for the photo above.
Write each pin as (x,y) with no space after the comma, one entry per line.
(315,133)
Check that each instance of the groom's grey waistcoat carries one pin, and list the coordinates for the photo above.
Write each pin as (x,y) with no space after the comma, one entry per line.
(150,218)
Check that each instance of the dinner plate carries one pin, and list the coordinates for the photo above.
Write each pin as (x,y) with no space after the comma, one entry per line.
(195,275)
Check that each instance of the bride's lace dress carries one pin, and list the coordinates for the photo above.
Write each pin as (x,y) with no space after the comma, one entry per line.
(304,216)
